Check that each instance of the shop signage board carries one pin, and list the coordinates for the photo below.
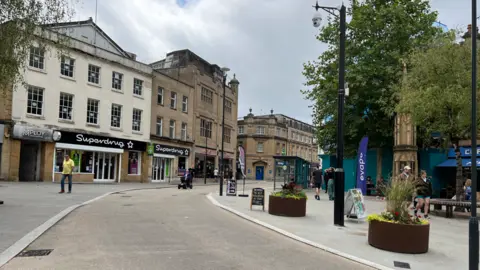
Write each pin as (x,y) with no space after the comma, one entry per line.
(258,198)
(101,141)
(354,205)
(150,149)
(171,150)
(231,187)
(32,133)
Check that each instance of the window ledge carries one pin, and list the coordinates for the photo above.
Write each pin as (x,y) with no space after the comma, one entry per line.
(36,116)
(134,174)
(173,108)
(185,112)
(137,132)
(68,78)
(37,69)
(94,84)
(137,96)
(116,129)
(117,91)
(93,125)
(66,121)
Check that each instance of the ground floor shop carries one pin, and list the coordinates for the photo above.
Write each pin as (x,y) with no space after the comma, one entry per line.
(206,161)
(169,163)
(36,154)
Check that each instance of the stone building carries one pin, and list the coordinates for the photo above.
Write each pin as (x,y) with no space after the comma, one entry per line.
(201,83)
(264,136)
(92,103)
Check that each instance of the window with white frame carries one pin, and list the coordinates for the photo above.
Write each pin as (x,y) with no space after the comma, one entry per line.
(171,132)
(117,79)
(241,130)
(65,109)
(227,135)
(93,74)
(260,147)
(160,95)
(261,130)
(173,100)
(134,162)
(185,104)
(137,87)
(205,128)
(207,95)
(67,65)
(184,131)
(136,120)
(228,106)
(116,119)
(92,111)
(159,127)
(37,58)
(35,100)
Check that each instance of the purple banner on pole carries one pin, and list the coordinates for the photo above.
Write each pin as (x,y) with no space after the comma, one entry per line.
(362,165)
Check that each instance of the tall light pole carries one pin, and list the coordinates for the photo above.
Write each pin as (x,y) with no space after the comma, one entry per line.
(338,217)
(222,168)
(473,223)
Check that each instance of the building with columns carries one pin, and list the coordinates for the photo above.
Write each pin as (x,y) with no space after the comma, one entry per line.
(264,136)
(202,84)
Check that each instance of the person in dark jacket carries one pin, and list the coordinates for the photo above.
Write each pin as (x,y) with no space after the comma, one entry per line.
(423,187)
(317,179)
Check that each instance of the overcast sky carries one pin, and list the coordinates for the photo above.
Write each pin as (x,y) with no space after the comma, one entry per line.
(264,42)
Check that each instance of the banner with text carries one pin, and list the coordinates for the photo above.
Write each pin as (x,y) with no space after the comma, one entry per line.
(362,165)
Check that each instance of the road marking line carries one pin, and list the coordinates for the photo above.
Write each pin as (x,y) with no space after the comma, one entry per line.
(298,238)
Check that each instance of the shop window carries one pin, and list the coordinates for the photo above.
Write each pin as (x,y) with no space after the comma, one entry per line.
(182,165)
(134,161)
(83,160)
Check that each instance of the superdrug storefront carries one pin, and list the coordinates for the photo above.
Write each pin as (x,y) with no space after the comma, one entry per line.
(99,158)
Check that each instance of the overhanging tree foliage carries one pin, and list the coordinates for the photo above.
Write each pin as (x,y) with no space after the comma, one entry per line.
(436,92)
(380,34)
(20,20)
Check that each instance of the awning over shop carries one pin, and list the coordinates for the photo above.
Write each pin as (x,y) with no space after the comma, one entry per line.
(466,162)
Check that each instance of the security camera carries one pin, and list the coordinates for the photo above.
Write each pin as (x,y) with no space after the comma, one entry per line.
(317,19)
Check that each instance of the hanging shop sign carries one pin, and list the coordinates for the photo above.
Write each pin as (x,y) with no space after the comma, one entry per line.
(32,133)
(171,150)
(101,141)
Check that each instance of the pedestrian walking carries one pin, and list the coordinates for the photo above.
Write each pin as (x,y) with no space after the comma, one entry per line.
(328,175)
(317,179)
(423,188)
(215,174)
(68,166)
(331,189)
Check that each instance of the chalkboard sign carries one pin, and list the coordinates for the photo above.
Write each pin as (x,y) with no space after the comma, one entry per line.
(258,198)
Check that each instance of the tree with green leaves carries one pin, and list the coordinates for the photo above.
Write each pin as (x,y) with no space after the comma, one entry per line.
(380,35)
(21,21)
(436,92)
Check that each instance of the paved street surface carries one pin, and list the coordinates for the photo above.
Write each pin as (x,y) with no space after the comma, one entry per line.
(448,237)
(169,229)
(28,205)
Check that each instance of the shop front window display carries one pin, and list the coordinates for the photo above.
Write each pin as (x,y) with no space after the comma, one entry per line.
(134,163)
(83,160)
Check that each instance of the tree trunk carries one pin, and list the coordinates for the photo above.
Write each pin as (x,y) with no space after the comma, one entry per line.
(459,179)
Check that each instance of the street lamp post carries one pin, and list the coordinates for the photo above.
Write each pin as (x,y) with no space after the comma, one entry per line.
(222,168)
(338,217)
(205,160)
(473,223)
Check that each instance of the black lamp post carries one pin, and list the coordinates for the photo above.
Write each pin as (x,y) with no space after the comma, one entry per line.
(222,168)
(473,223)
(338,217)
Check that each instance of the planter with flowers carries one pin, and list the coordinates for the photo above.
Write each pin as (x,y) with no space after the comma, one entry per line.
(396,230)
(291,201)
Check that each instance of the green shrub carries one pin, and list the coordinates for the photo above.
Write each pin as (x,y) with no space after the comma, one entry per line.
(290,191)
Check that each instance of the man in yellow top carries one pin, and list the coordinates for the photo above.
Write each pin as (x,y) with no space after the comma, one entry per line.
(68,166)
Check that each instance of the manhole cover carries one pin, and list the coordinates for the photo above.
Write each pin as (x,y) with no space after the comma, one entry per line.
(401,265)
(35,253)
(128,204)
(126,196)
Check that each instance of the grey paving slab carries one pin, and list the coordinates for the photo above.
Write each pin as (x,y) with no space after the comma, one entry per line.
(448,237)
(169,229)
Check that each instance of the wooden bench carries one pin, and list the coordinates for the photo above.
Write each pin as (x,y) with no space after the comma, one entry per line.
(449,204)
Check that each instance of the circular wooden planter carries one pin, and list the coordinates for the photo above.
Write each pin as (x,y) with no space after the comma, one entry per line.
(400,238)
(287,207)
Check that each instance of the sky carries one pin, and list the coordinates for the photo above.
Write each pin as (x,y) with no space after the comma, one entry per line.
(264,42)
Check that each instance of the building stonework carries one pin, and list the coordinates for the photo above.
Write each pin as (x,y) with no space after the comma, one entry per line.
(266,136)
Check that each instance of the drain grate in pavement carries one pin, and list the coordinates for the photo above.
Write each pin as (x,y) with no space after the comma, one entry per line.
(401,264)
(35,253)
(126,196)
(128,204)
